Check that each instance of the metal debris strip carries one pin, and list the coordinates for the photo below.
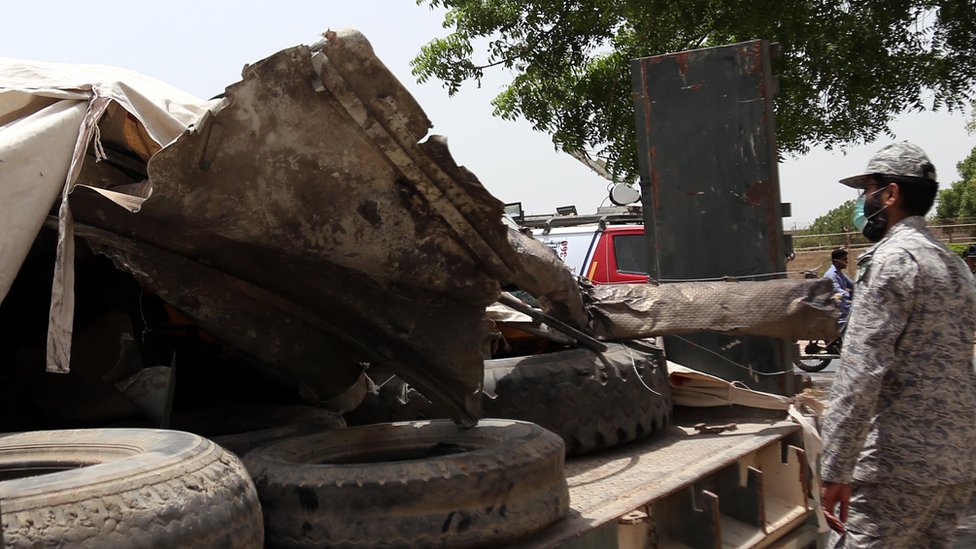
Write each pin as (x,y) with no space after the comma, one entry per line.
(752,371)
(705,429)
(582,338)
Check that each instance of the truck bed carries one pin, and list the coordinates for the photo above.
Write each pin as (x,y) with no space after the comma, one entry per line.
(739,488)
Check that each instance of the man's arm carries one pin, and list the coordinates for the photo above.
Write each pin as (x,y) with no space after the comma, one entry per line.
(885,299)
(847,282)
(840,284)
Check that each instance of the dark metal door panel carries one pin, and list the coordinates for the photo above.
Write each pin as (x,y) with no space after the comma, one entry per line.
(710,189)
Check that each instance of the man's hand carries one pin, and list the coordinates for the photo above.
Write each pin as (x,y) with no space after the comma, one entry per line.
(831,494)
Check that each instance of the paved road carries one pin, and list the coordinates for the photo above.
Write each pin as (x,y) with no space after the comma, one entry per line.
(966,534)
(824,377)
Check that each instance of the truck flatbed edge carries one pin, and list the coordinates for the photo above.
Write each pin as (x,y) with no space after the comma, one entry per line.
(676,482)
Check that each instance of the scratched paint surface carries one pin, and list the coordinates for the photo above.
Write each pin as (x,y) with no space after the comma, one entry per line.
(706,144)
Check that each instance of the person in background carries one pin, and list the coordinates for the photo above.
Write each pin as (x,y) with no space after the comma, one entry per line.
(899,461)
(843,287)
(970,257)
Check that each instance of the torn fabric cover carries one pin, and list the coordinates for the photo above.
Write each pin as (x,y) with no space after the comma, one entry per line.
(787,309)
(50,116)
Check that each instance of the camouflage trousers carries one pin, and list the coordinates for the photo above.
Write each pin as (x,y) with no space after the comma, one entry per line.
(892,516)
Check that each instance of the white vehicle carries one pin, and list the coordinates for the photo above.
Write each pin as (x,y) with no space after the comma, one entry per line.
(607,247)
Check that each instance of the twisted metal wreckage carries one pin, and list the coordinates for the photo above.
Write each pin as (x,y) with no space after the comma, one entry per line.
(306,219)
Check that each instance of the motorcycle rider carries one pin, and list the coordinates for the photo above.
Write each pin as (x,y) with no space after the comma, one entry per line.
(843,288)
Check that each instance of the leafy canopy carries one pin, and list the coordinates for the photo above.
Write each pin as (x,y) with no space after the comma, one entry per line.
(847,68)
(837,220)
(958,202)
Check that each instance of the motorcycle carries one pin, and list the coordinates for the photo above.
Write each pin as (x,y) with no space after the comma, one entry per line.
(814,355)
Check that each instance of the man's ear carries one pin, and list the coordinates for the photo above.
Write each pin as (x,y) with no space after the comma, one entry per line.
(892,195)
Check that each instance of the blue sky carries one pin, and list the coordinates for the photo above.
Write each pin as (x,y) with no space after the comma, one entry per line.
(202,46)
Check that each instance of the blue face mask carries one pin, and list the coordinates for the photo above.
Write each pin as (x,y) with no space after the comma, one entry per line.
(860,219)
(871,225)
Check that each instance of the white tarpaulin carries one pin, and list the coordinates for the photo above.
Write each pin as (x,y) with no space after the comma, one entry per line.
(50,115)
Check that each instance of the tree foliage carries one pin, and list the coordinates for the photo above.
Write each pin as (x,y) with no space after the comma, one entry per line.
(833,229)
(847,67)
(958,202)
(971,125)
(837,220)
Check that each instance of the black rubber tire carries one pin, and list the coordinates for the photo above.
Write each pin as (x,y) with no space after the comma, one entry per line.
(411,484)
(592,403)
(811,365)
(125,488)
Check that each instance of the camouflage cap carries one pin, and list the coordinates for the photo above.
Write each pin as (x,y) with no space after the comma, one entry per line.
(901,159)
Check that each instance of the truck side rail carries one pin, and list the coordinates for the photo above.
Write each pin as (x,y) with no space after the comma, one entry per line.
(548,223)
(743,487)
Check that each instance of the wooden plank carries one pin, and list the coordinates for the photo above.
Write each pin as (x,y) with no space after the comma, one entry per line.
(609,484)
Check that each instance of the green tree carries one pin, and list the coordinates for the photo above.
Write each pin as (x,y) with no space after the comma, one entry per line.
(833,229)
(847,67)
(959,200)
(971,125)
(837,220)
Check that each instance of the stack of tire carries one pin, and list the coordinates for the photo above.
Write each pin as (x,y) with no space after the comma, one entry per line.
(423,483)
(403,477)
(592,400)
(315,483)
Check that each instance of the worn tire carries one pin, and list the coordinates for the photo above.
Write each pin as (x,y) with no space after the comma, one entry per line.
(411,484)
(811,364)
(590,402)
(125,488)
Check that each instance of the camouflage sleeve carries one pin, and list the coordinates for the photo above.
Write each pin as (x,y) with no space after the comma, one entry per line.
(884,298)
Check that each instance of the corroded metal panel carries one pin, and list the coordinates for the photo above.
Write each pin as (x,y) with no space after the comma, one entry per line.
(710,190)
(309,224)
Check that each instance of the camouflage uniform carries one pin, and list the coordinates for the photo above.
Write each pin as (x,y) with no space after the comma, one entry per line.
(901,516)
(901,427)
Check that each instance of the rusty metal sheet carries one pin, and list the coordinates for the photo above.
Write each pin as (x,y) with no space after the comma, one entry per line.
(710,188)
(306,223)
